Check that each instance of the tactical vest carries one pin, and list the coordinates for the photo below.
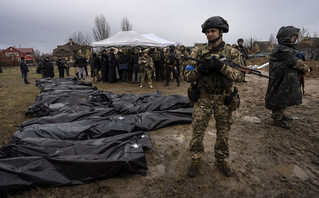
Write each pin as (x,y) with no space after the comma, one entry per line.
(214,81)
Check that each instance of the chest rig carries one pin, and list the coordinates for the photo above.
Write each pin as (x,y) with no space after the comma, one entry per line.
(215,81)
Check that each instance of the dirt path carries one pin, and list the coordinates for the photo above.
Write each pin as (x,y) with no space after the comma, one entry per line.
(267,161)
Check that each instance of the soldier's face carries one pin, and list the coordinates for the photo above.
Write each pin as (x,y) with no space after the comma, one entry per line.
(212,33)
(293,39)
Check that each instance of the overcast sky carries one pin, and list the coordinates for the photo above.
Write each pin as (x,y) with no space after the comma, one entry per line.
(44,24)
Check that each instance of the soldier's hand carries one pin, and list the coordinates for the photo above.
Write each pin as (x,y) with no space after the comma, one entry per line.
(210,65)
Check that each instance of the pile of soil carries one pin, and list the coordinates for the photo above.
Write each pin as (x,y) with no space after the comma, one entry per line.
(267,161)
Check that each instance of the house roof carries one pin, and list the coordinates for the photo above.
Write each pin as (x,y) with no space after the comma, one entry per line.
(68,49)
(26,50)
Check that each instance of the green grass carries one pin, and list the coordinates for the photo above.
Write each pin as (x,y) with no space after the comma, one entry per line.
(15,98)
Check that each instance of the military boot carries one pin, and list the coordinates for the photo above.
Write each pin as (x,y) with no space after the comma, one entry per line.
(280,123)
(224,168)
(193,169)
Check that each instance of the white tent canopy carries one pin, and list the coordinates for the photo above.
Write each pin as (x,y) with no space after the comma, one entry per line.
(126,38)
(154,37)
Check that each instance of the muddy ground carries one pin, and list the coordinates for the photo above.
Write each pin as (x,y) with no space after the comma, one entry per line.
(267,161)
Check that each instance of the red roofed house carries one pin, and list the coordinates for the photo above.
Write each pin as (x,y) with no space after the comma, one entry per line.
(12,55)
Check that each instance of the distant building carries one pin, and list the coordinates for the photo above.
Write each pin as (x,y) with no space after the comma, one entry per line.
(71,50)
(12,55)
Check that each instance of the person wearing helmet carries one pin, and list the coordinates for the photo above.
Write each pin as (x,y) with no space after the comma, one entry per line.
(243,50)
(182,53)
(214,81)
(172,66)
(287,65)
(146,64)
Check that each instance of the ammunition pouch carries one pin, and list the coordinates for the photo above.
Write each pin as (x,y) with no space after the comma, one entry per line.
(232,101)
(193,92)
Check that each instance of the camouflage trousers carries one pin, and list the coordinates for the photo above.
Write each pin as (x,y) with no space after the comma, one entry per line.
(96,77)
(147,73)
(277,114)
(202,111)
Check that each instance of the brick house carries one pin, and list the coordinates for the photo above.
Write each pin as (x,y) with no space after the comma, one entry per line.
(12,55)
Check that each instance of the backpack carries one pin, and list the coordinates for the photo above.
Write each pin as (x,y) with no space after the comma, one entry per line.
(156,56)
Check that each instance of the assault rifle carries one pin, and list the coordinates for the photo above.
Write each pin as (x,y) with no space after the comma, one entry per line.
(241,68)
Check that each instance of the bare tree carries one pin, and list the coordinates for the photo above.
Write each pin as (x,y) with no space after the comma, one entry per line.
(272,39)
(80,38)
(102,29)
(125,24)
(302,33)
(37,54)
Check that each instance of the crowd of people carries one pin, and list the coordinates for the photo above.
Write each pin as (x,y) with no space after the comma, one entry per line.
(212,80)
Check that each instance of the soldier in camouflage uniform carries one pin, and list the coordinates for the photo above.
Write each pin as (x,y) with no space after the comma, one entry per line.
(287,65)
(146,67)
(182,53)
(211,77)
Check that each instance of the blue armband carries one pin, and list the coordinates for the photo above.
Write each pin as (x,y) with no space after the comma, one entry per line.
(299,56)
(189,68)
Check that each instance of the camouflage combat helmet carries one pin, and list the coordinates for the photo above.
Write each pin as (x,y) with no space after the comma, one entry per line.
(215,22)
(172,47)
(285,33)
(240,40)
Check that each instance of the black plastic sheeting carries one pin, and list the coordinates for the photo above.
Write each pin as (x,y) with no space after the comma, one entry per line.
(79,134)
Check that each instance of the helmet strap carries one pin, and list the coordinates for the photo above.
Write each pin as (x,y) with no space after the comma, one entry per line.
(216,39)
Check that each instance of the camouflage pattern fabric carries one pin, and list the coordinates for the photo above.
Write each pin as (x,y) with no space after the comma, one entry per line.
(201,116)
(209,83)
(146,64)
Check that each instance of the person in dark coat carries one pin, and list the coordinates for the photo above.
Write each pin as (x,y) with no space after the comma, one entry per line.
(61,67)
(81,62)
(24,69)
(112,66)
(104,66)
(123,65)
(136,73)
(48,68)
(96,67)
(286,63)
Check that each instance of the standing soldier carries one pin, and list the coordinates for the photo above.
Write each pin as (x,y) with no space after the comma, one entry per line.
(183,53)
(214,80)
(243,50)
(172,66)
(287,65)
(146,67)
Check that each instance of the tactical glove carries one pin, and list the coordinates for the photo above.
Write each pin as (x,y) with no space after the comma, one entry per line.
(209,66)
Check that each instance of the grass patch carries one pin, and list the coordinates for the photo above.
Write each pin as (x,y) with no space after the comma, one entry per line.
(15,98)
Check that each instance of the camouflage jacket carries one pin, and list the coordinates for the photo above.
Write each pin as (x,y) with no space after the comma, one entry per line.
(146,63)
(214,80)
